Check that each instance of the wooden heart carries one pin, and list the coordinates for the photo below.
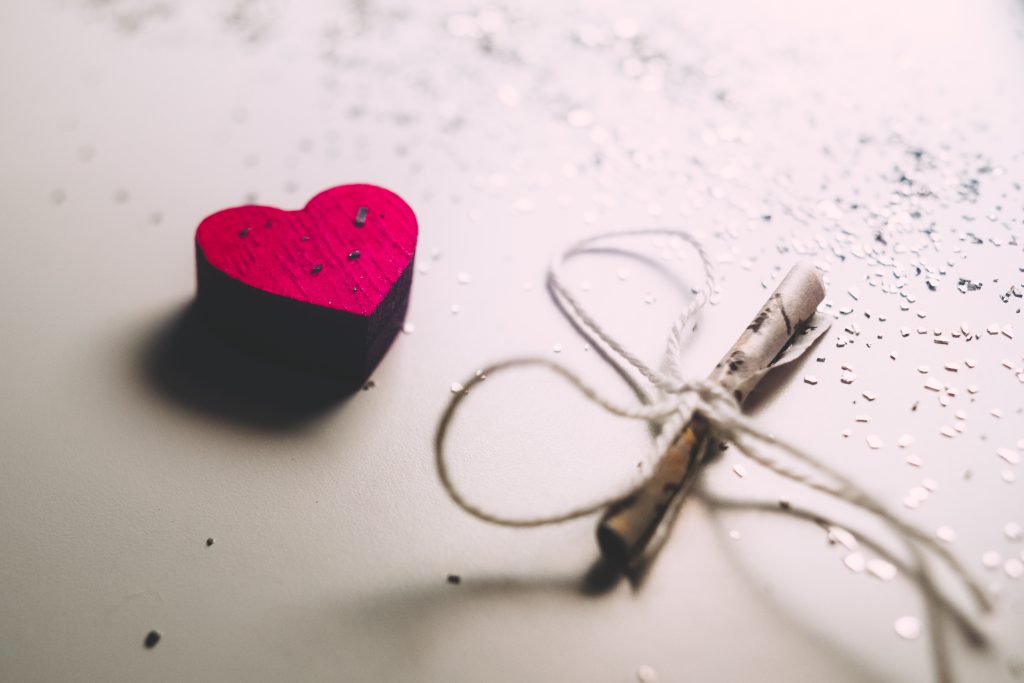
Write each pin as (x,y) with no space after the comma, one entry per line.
(326,286)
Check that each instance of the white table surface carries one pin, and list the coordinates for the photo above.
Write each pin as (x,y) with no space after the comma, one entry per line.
(129,436)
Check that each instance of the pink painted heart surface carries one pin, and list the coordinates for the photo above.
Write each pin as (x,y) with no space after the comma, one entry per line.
(327,285)
(318,255)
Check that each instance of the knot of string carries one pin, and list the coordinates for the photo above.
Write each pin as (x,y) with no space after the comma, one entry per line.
(668,399)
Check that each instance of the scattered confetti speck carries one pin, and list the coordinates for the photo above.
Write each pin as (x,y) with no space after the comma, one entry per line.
(908,627)
(579,118)
(1009,455)
(843,537)
(991,559)
(881,569)
(855,562)
(646,674)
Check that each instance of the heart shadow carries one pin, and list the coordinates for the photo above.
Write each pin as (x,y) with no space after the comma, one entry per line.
(189,363)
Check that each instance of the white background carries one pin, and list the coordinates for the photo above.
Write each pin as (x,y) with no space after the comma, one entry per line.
(128,437)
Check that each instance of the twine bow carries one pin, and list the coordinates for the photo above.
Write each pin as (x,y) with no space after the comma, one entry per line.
(670,400)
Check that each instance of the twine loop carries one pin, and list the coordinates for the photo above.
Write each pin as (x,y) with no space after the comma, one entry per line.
(667,400)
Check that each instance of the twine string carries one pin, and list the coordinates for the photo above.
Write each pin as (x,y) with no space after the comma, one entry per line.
(670,400)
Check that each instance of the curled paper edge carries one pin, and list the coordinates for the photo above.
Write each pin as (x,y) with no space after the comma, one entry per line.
(813,330)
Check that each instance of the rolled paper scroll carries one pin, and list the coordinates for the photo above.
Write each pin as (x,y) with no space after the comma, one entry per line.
(628,526)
